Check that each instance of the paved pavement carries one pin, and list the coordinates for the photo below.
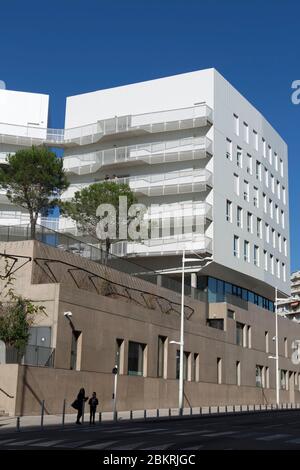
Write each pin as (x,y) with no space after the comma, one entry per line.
(265,430)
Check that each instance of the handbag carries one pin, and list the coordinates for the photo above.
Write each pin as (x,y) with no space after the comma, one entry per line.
(75,404)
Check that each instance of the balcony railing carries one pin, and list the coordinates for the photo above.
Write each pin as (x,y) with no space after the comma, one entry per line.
(167,245)
(138,124)
(153,153)
(176,182)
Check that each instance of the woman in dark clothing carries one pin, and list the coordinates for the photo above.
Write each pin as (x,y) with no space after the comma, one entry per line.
(81,399)
(93,402)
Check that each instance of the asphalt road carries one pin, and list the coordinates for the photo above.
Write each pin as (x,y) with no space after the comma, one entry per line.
(263,430)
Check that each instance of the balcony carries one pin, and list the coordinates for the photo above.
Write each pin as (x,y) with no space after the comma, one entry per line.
(172,245)
(176,182)
(152,153)
(139,124)
(13,217)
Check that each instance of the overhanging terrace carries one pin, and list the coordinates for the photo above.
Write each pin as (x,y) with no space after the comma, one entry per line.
(118,126)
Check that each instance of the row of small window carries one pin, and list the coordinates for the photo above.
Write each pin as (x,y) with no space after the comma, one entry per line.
(262,374)
(275,185)
(268,260)
(269,207)
(267,150)
(137,360)
(281,241)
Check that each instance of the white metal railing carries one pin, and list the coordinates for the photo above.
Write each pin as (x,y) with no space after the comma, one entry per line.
(22,218)
(189,148)
(182,181)
(167,245)
(160,121)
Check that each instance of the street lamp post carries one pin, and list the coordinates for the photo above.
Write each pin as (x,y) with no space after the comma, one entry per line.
(181,342)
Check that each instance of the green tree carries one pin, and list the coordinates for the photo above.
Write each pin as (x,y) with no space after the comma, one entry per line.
(34,179)
(83,206)
(17,315)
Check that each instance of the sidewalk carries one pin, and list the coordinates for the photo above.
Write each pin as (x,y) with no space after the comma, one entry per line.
(26,423)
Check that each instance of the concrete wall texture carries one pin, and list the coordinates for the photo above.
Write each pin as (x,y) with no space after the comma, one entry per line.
(107,305)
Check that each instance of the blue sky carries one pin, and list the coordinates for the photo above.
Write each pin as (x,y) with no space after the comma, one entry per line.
(68,47)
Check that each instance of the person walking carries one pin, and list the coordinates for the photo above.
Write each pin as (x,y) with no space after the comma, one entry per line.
(81,399)
(93,402)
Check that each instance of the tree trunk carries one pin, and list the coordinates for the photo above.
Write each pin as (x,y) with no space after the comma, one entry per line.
(33,220)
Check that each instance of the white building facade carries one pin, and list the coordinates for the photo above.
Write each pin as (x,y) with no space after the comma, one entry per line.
(191,140)
(23,122)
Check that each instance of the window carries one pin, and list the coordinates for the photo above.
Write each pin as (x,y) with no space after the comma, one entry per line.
(281,167)
(236,246)
(219,370)
(236,184)
(246,132)
(258,227)
(266,177)
(240,340)
(278,189)
(274,238)
(267,227)
(119,360)
(277,268)
(271,208)
(249,335)
(255,140)
(76,350)
(236,124)
(282,219)
(272,183)
(161,357)
(279,242)
(238,373)
(276,161)
(284,272)
(230,314)
(249,164)
(246,251)
(283,195)
(187,373)
(196,375)
(267,384)
(283,380)
(272,263)
(270,154)
(239,157)
(264,145)
(258,170)
(255,197)
(249,222)
(228,149)
(228,210)
(239,216)
(277,213)
(265,202)
(246,190)
(217,323)
(265,260)
(285,347)
(256,255)
(259,376)
(267,341)
(136,360)
(285,246)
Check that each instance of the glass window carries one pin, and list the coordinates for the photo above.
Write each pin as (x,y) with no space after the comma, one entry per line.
(228,210)
(256,255)
(255,139)
(246,251)
(236,124)
(240,334)
(239,157)
(135,358)
(162,341)
(259,376)
(258,170)
(246,190)
(236,246)
(236,184)
(239,216)
(228,149)
(246,132)
(249,164)
(249,222)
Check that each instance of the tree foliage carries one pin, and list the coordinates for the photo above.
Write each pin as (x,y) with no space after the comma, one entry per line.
(34,179)
(83,206)
(17,315)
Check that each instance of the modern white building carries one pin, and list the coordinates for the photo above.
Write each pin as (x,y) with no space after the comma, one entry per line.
(194,148)
(191,140)
(23,122)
